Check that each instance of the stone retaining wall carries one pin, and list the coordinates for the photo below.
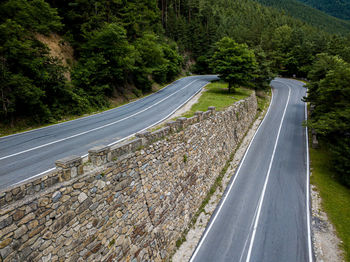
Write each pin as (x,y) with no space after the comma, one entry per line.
(130,201)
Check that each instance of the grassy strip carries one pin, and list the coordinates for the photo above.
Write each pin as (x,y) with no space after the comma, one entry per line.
(335,196)
(217,95)
(263,102)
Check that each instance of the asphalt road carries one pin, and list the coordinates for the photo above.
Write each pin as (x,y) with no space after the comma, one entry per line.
(29,154)
(264,214)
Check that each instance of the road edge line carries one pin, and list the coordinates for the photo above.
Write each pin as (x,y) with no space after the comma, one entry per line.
(308,188)
(116,142)
(231,185)
(96,128)
(266,180)
(83,117)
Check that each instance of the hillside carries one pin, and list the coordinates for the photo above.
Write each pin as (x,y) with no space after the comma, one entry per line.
(340,9)
(311,15)
(103,50)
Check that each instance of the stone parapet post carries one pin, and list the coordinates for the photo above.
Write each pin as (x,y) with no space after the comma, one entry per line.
(199,114)
(99,155)
(69,167)
(212,109)
(182,122)
(173,126)
(144,135)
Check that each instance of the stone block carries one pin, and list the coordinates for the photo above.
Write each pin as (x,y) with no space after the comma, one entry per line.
(70,161)
(199,114)
(99,155)
(159,134)
(212,109)
(144,135)
(125,148)
(182,122)
(173,125)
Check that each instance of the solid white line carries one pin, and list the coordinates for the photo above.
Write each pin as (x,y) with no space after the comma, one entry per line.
(230,188)
(46,171)
(3,137)
(124,137)
(307,189)
(97,128)
(246,241)
(266,180)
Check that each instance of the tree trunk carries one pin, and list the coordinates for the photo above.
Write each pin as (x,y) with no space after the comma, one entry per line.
(229,87)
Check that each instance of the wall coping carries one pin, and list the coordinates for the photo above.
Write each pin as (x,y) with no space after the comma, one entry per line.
(72,167)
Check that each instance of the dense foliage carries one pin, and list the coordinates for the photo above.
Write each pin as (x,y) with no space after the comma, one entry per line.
(32,83)
(310,15)
(329,93)
(120,45)
(281,44)
(340,9)
(234,63)
(117,44)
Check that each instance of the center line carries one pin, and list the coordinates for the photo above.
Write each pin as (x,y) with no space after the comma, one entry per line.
(94,129)
(261,200)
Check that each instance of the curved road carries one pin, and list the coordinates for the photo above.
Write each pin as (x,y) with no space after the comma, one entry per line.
(26,155)
(264,214)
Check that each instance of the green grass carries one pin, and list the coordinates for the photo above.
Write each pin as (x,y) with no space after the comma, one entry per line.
(217,95)
(335,196)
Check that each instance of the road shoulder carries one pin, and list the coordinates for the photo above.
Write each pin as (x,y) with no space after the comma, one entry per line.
(187,245)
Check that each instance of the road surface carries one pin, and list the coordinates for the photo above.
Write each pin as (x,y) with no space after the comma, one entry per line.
(264,214)
(26,155)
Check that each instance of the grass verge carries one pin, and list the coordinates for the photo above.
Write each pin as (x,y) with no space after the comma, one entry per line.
(217,95)
(335,197)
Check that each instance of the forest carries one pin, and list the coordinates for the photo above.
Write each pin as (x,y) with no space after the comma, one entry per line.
(125,45)
(312,16)
(340,9)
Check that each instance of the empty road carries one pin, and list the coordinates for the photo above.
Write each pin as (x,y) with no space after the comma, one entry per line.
(26,155)
(264,213)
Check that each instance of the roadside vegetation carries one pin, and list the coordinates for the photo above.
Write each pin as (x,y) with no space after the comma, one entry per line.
(335,196)
(123,47)
(329,95)
(23,125)
(130,46)
(216,94)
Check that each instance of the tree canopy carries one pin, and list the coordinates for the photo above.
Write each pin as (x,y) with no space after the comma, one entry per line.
(234,63)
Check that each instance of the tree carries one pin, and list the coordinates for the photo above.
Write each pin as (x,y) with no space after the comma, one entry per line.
(234,63)
(322,65)
(263,72)
(330,94)
(107,59)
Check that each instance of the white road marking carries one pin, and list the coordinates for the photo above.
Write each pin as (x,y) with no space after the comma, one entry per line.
(33,130)
(83,156)
(42,173)
(308,189)
(97,128)
(261,200)
(230,188)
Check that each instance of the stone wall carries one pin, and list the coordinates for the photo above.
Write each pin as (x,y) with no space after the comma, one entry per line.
(130,201)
